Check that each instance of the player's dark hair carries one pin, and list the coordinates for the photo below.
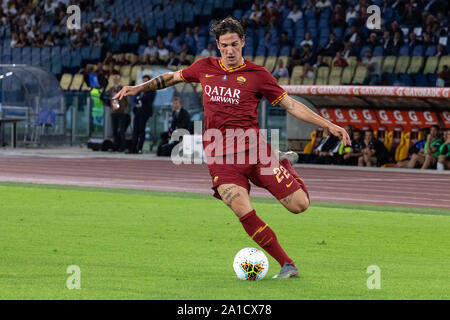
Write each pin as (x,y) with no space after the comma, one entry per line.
(227,25)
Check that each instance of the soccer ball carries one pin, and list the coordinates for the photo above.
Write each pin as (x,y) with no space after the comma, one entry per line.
(250,264)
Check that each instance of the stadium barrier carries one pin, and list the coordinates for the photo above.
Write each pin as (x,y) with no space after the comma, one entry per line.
(395,114)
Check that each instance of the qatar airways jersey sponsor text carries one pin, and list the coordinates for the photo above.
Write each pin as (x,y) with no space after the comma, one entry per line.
(222,94)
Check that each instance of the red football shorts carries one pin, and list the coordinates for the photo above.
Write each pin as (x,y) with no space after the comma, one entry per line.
(275,178)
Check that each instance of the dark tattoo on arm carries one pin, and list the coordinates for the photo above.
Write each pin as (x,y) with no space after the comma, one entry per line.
(160,82)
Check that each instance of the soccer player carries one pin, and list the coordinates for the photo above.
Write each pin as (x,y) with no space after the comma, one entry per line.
(232,88)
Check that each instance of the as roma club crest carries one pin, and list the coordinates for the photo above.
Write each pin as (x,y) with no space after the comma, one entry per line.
(241,80)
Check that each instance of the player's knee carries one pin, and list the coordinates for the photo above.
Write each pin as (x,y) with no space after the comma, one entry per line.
(299,206)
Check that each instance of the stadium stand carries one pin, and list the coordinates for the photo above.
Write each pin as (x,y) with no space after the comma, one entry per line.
(411,51)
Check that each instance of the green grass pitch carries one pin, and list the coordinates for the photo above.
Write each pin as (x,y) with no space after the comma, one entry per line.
(158,245)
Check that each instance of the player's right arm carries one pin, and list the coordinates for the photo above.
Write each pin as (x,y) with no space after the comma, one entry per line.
(160,82)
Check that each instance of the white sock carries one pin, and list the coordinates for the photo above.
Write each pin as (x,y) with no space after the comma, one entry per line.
(440,166)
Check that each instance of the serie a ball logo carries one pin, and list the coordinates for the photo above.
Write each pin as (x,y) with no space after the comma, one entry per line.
(250,264)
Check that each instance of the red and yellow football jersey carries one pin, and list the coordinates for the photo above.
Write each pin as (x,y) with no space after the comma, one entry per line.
(231,95)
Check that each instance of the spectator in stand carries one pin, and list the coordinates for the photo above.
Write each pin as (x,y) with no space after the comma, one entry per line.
(443,79)
(359,21)
(430,151)
(272,14)
(444,152)
(140,29)
(284,40)
(184,61)
(348,50)
(98,18)
(170,42)
(307,55)
(319,62)
(354,36)
(373,67)
(189,38)
(322,5)
(162,50)
(256,16)
(350,155)
(374,153)
(114,28)
(350,15)
(97,41)
(440,50)
(339,61)
(338,21)
(331,47)
(411,15)
(14,40)
(307,41)
(58,36)
(151,47)
(326,152)
(397,43)
(108,20)
(308,72)
(294,58)
(186,49)
(209,51)
(413,41)
(295,14)
(126,26)
(154,59)
(173,61)
(280,70)
(49,41)
(49,7)
(372,41)
(268,41)
(387,43)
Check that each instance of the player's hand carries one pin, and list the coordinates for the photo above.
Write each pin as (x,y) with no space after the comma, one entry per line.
(126,91)
(340,133)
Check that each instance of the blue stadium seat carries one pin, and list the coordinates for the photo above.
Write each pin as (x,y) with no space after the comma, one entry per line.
(55,51)
(404,51)
(260,51)
(378,51)
(36,56)
(405,79)
(417,51)
(56,65)
(362,52)
(238,13)
(420,80)
(287,24)
(339,32)
(16,55)
(273,51)
(248,50)
(285,51)
(86,53)
(432,78)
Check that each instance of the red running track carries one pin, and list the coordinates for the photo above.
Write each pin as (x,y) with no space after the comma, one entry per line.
(415,188)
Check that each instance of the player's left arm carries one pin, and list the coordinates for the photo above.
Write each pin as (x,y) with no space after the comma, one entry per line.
(302,112)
